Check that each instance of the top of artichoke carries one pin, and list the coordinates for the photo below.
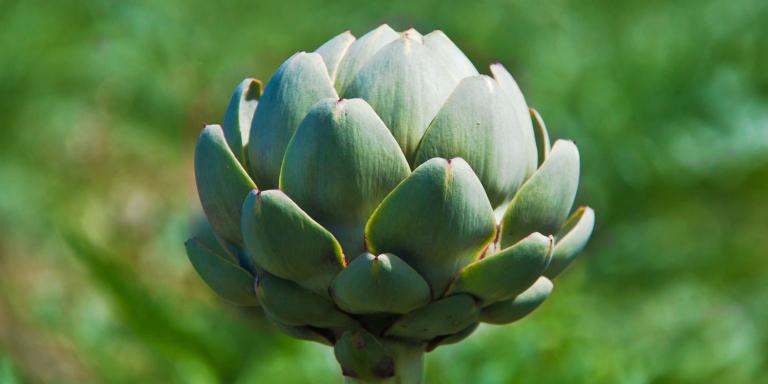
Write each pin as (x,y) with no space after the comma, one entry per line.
(423,89)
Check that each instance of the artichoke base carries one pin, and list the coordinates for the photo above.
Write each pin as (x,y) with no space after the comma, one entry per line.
(407,367)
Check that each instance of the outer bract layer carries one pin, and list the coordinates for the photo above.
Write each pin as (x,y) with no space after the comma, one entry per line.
(383,196)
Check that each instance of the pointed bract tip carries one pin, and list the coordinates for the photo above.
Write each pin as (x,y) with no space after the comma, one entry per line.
(456,161)
(212,129)
(255,89)
(497,69)
(567,142)
(411,34)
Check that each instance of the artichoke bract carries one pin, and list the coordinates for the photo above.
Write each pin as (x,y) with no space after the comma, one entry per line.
(382,196)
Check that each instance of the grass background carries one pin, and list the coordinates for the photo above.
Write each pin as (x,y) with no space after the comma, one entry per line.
(101,101)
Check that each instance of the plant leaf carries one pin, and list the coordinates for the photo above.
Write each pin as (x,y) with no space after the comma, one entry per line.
(344,185)
(379,284)
(299,83)
(283,240)
(293,305)
(511,310)
(476,124)
(204,233)
(507,273)
(520,108)
(457,64)
(360,52)
(333,51)
(543,202)
(442,317)
(452,338)
(437,220)
(222,183)
(304,332)
(239,115)
(542,136)
(571,240)
(406,86)
(227,279)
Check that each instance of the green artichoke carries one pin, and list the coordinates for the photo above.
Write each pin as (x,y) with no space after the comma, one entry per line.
(382,196)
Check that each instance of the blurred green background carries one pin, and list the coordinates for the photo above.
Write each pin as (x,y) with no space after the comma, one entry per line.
(101,103)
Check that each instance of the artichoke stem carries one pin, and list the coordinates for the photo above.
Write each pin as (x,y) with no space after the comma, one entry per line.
(409,365)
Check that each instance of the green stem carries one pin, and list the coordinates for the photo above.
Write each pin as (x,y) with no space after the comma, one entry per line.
(409,365)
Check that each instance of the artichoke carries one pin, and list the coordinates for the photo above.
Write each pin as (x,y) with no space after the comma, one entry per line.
(381,196)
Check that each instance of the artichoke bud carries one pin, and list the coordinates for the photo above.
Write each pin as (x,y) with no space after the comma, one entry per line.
(442,317)
(379,284)
(222,183)
(362,356)
(543,202)
(293,305)
(507,273)
(227,279)
(402,198)
(284,241)
(511,310)
(571,240)
(237,119)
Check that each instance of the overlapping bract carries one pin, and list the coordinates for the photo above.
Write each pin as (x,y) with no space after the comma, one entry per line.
(360,193)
